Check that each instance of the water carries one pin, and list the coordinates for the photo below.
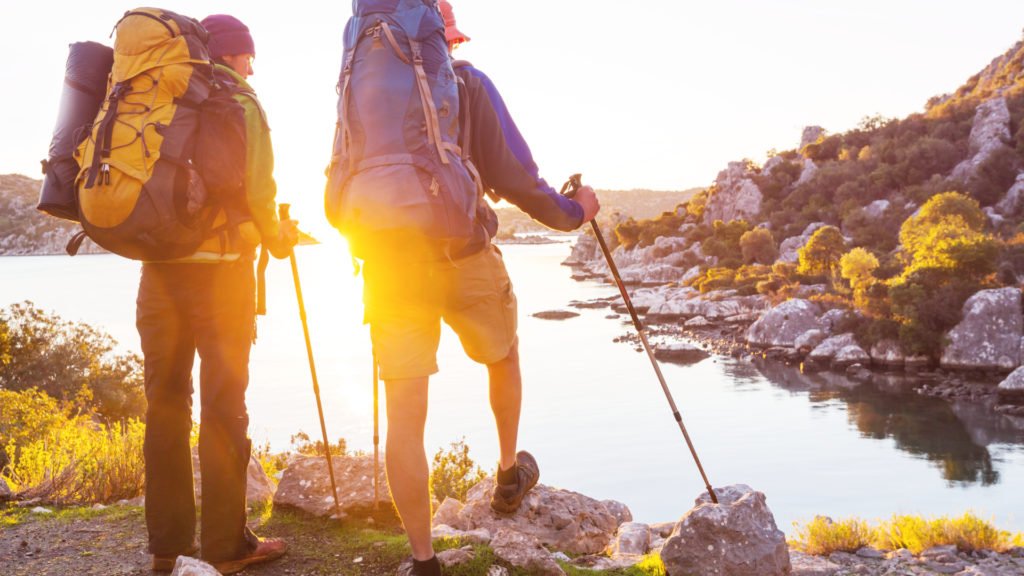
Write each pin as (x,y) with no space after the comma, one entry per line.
(593,412)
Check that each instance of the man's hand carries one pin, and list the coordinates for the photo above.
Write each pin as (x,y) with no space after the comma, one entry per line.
(588,200)
(287,238)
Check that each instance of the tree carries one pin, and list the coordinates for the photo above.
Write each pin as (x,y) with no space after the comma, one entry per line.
(758,247)
(61,357)
(914,231)
(724,242)
(857,266)
(820,256)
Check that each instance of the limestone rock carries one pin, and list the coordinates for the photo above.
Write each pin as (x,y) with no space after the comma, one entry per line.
(848,356)
(807,565)
(989,133)
(790,247)
(496,570)
(1011,390)
(633,539)
(827,350)
(680,353)
(887,354)
(188,566)
(832,319)
(807,172)
(621,512)
(876,209)
(561,519)
(447,512)
(444,531)
(5,491)
(663,529)
(1011,204)
(809,340)
(455,556)
(811,134)
(686,303)
(989,336)
(736,196)
(781,325)
(697,322)
(307,486)
(524,551)
(259,488)
(585,250)
(736,537)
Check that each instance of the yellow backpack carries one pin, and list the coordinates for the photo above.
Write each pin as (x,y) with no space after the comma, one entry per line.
(139,193)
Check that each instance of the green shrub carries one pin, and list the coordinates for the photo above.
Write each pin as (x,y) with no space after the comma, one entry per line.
(820,256)
(453,472)
(758,247)
(823,536)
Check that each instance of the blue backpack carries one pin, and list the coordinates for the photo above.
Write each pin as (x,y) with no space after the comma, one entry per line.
(399,183)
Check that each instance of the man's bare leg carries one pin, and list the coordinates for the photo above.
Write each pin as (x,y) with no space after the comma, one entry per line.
(506,391)
(406,458)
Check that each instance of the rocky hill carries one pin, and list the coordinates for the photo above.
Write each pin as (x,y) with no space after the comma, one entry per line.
(902,239)
(23,229)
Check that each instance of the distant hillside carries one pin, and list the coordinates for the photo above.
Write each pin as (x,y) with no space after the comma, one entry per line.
(23,229)
(616,205)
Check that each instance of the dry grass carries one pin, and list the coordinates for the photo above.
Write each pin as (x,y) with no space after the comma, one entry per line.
(968,533)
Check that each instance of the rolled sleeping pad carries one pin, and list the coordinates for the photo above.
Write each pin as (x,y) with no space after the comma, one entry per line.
(85,86)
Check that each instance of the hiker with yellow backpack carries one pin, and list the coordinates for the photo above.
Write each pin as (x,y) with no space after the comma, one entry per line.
(177,171)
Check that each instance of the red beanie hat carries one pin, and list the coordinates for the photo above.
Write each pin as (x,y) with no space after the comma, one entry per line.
(451,32)
(228,36)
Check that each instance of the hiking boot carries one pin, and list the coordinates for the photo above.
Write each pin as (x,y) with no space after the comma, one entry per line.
(166,563)
(506,498)
(408,568)
(263,550)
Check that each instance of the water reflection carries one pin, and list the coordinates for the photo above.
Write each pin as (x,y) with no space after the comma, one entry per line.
(954,437)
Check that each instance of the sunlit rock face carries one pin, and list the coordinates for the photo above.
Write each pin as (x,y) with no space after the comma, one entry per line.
(782,325)
(989,335)
(990,134)
(736,537)
(736,196)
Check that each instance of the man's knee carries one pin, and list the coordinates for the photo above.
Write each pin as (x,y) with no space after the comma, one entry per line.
(510,359)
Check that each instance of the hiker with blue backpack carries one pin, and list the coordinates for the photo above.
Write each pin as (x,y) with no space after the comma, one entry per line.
(419,143)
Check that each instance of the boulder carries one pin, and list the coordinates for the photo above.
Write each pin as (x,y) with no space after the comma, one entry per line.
(585,250)
(831,346)
(687,302)
(876,209)
(789,249)
(832,319)
(447,512)
(307,486)
(680,353)
(561,519)
(736,537)
(887,354)
(621,512)
(809,340)
(807,172)
(188,566)
(1011,390)
(808,565)
(555,314)
(1011,204)
(497,570)
(989,133)
(849,356)
(526,552)
(455,556)
(781,325)
(736,196)
(5,491)
(259,488)
(632,539)
(989,336)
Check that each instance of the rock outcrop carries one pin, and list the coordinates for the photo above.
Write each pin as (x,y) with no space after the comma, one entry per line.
(781,325)
(5,491)
(990,133)
(736,196)
(307,486)
(526,552)
(1011,391)
(259,488)
(789,249)
(560,519)
(736,537)
(827,350)
(989,335)
(887,354)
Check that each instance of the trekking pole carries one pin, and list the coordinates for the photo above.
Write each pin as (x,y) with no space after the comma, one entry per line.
(283,212)
(569,190)
(376,432)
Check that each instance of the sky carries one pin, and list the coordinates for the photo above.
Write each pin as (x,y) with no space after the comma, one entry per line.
(657,94)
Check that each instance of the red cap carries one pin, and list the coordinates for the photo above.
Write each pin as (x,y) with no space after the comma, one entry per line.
(451,33)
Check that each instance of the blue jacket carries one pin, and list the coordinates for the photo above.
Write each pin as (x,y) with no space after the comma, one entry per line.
(505,163)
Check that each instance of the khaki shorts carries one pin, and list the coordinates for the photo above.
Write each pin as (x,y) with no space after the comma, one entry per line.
(406,302)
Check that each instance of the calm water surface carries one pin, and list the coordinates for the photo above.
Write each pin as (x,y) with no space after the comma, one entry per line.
(593,412)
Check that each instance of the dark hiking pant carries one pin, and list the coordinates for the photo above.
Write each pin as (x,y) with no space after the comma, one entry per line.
(184,309)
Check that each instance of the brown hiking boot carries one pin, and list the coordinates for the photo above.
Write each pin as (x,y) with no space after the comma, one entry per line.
(265,550)
(506,498)
(166,563)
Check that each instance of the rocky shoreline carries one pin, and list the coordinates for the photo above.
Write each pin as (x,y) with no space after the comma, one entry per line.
(980,363)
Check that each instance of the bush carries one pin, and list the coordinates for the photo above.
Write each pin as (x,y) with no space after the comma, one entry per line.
(820,256)
(724,242)
(41,350)
(758,247)
(302,444)
(453,472)
(822,536)
(62,457)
